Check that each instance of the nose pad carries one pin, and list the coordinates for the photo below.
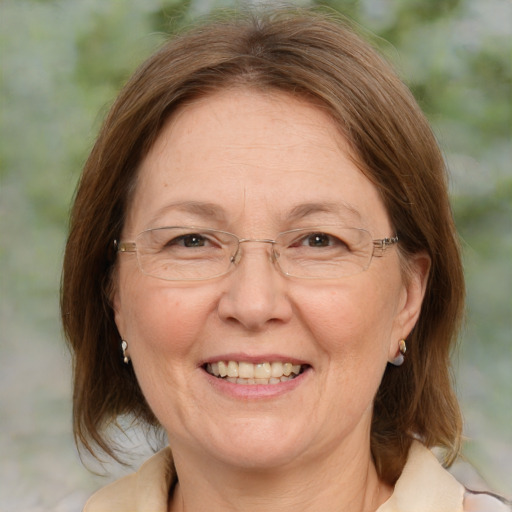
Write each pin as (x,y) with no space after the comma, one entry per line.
(236,257)
(255,294)
(272,254)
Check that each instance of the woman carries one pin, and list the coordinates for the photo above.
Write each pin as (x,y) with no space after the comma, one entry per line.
(262,262)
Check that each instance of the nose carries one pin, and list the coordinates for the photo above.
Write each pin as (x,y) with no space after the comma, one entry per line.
(256,294)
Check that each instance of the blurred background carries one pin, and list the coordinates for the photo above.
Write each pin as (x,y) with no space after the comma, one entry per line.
(62,63)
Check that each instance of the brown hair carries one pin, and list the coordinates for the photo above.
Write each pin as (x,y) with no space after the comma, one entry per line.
(320,57)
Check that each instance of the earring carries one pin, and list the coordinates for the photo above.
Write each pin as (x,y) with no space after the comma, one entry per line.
(124,346)
(400,358)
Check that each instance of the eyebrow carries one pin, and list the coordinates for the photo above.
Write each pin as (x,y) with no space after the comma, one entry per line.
(215,212)
(199,209)
(334,208)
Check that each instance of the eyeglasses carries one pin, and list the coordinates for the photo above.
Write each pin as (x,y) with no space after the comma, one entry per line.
(186,253)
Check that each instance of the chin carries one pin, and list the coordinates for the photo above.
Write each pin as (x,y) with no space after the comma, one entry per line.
(262,456)
(256,446)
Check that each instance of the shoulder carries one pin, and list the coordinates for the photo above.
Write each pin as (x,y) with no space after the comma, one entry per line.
(148,487)
(425,486)
(485,502)
(112,497)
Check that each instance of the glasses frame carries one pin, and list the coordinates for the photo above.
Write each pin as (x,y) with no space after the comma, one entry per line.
(379,247)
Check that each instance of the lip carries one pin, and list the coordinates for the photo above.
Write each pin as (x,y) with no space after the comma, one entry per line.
(254,359)
(254,391)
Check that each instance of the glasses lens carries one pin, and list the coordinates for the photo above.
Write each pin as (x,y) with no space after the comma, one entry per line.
(185,253)
(325,252)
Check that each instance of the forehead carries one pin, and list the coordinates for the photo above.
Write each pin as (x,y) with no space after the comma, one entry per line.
(244,122)
(246,153)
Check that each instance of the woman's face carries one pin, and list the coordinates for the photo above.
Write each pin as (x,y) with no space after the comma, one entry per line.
(255,165)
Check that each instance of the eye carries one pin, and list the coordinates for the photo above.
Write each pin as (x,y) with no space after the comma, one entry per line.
(319,240)
(180,242)
(189,240)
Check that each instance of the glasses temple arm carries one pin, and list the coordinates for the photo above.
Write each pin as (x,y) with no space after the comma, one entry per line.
(124,246)
(381,244)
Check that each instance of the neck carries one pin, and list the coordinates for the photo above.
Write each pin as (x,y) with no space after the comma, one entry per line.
(339,482)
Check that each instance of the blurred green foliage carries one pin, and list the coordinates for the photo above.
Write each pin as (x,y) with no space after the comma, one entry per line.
(63,62)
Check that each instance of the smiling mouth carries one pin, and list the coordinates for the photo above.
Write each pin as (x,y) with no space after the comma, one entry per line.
(250,374)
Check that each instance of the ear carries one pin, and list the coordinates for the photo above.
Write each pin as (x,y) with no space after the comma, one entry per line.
(415,279)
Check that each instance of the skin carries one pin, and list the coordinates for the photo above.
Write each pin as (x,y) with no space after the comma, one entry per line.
(255,157)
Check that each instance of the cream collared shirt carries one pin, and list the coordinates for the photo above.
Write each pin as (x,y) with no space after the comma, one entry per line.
(424,486)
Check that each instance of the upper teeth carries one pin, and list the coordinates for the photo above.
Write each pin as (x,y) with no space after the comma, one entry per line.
(246,370)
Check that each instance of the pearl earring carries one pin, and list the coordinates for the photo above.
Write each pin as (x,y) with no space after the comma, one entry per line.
(400,358)
(124,346)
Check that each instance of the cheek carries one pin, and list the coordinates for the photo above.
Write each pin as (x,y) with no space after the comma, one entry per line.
(352,321)
(160,320)
(164,330)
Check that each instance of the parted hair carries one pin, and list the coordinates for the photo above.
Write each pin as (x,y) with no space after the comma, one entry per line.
(317,56)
